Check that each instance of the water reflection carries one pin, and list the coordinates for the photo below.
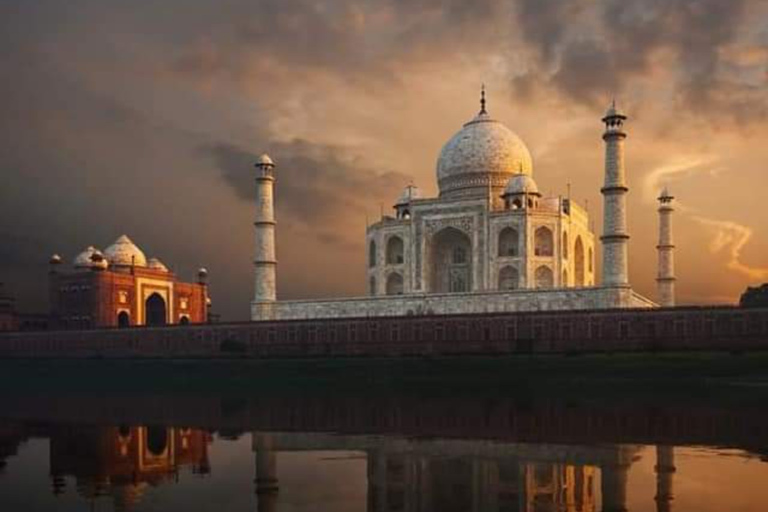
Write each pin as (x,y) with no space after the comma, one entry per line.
(123,463)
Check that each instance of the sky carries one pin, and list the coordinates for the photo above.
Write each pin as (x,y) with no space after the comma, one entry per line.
(145,118)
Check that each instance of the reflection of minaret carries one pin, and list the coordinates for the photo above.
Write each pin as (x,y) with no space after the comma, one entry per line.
(266,472)
(614,484)
(665,470)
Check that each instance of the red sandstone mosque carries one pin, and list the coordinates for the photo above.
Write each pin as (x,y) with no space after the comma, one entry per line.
(121,287)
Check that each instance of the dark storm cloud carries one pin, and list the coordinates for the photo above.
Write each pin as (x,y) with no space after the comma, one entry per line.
(319,185)
(592,63)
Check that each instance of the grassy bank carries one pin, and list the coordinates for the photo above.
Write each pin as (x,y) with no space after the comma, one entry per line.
(455,374)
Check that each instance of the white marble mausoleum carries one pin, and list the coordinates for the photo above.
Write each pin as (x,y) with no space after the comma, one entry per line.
(488,242)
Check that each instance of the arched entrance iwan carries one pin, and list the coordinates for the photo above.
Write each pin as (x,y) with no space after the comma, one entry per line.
(155,310)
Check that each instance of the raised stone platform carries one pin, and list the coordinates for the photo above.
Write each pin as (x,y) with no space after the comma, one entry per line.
(559,299)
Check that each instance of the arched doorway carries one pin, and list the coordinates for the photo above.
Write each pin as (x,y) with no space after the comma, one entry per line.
(157,440)
(450,262)
(184,320)
(578,256)
(123,320)
(155,310)
(509,242)
(394,284)
(395,252)
(372,254)
(543,243)
(509,278)
(544,277)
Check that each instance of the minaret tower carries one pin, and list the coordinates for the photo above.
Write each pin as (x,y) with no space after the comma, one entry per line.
(615,237)
(666,278)
(265,262)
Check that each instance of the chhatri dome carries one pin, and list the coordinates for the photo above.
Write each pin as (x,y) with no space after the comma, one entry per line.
(125,253)
(521,184)
(483,154)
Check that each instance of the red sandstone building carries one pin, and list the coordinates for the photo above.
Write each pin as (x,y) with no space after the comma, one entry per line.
(120,287)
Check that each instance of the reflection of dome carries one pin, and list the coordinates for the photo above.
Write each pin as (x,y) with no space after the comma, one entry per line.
(484,152)
(410,193)
(521,184)
(156,264)
(125,253)
(83,260)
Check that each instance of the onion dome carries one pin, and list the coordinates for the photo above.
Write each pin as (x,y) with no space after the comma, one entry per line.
(55,259)
(156,264)
(83,260)
(264,159)
(98,261)
(521,184)
(124,253)
(613,111)
(483,154)
(410,193)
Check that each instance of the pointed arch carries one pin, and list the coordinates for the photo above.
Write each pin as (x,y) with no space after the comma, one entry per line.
(509,242)
(509,278)
(372,253)
(543,242)
(123,319)
(544,277)
(395,251)
(565,245)
(395,284)
(578,259)
(450,261)
(155,310)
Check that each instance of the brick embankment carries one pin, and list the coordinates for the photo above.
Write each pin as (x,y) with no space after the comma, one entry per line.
(544,332)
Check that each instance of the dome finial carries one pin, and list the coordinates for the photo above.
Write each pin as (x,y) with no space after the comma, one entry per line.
(482,99)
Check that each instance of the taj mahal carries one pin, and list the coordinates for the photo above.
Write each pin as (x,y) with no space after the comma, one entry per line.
(489,242)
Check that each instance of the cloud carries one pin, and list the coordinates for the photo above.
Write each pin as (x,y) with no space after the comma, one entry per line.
(318,185)
(731,238)
(681,167)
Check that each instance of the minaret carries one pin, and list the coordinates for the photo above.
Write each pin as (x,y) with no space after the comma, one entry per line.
(615,237)
(264,261)
(666,278)
(665,470)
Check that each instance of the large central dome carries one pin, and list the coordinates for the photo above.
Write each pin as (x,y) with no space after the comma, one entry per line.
(483,154)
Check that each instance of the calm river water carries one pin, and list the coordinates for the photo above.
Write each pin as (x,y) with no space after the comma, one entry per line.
(150,452)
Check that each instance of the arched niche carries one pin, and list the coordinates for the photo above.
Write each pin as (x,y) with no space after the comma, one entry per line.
(450,262)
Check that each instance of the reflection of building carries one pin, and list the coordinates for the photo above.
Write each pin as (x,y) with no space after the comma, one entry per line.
(121,287)
(490,241)
(461,475)
(123,461)
(419,483)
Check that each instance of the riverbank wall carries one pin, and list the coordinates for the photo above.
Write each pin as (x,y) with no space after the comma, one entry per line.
(544,332)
